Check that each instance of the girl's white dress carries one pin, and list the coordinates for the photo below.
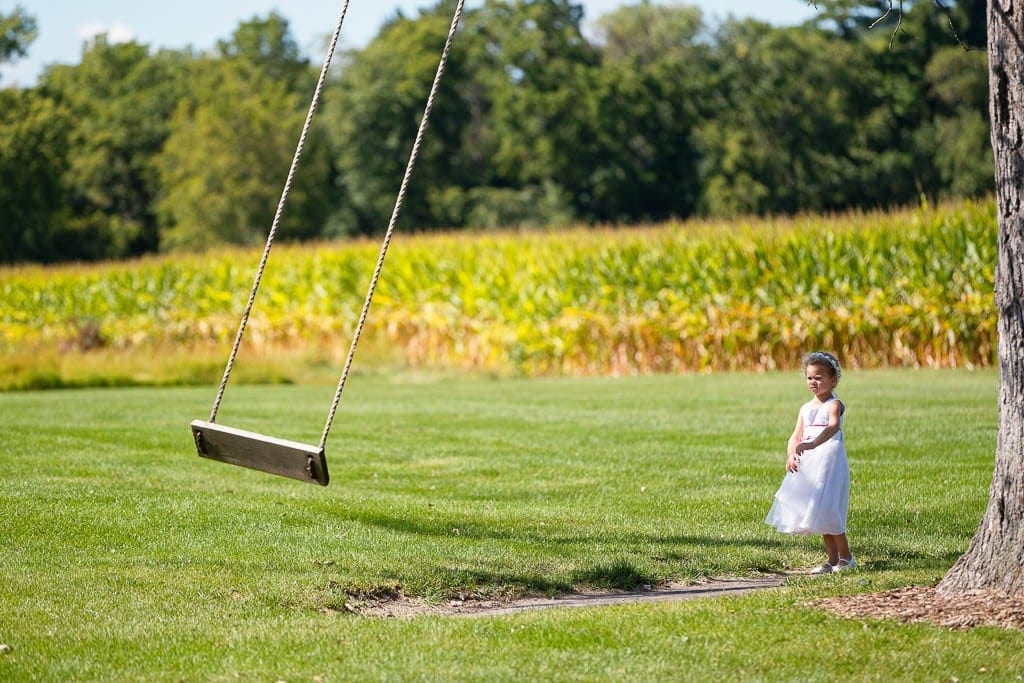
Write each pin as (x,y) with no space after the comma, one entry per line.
(815,498)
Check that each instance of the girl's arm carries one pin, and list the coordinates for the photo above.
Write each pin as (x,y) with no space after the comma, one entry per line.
(792,456)
(835,411)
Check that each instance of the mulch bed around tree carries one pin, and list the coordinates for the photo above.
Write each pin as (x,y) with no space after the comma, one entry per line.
(923,604)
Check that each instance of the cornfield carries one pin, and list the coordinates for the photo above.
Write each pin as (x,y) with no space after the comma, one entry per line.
(900,288)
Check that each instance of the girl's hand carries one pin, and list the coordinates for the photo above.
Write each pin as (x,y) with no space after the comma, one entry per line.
(792,462)
(803,446)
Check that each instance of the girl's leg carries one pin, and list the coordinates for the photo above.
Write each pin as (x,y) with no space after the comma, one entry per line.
(842,547)
(830,548)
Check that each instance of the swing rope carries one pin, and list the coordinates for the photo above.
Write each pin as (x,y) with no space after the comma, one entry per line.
(456,17)
(280,209)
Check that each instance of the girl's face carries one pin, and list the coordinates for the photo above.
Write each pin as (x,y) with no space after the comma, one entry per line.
(820,380)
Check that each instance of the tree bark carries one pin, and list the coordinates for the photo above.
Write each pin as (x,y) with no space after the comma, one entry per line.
(995,558)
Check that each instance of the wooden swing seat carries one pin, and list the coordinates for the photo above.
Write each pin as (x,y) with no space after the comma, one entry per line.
(260,452)
(267,453)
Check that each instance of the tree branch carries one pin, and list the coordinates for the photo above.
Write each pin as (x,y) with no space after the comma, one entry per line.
(952,27)
(899,22)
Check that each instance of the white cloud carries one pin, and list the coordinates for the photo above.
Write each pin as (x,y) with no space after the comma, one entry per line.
(116,32)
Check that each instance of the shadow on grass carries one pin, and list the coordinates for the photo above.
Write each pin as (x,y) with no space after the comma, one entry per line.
(528,583)
(448,527)
(621,575)
(618,575)
(902,560)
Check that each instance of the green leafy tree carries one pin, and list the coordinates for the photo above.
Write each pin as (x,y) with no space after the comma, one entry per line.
(927,134)
(18,30)
(540,72)
(374,112)
(224,165)
(268,45)
(849,19)
(647,102)
(120,99)
(232,139)
(786,133)
(33,135)
(911,50)
(958,132)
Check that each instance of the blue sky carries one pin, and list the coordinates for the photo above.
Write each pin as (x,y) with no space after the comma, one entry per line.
(65,24)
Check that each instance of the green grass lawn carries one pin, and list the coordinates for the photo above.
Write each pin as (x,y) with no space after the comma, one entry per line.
(127,558)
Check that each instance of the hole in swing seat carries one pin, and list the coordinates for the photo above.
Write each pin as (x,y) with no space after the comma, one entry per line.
(260,452)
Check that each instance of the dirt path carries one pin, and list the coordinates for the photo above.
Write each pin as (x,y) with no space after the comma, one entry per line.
(401,606)
(910,604)
(672,592)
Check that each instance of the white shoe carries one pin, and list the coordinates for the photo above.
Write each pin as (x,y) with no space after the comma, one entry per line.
(823,569)
(843,565)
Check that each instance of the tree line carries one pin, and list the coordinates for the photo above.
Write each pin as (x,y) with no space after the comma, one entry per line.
(648,113)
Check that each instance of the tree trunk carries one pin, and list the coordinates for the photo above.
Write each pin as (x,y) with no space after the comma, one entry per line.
(995,558)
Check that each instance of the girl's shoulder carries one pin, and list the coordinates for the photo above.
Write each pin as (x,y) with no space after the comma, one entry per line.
(814,404)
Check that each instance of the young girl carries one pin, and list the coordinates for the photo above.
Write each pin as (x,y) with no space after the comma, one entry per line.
(815,493)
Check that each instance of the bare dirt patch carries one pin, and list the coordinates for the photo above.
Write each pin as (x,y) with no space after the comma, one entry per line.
(396,604)
(913,604)
(922,604)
